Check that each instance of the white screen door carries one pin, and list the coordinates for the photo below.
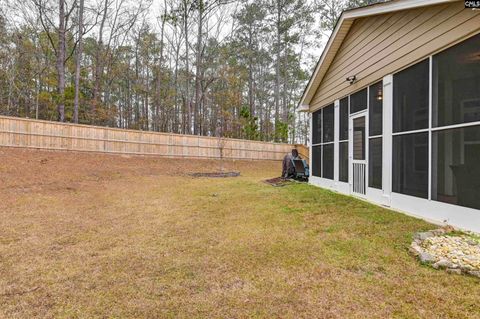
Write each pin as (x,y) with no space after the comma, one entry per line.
(358,154)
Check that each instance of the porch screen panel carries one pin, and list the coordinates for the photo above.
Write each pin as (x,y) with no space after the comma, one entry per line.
(317,127)
(317,161)
(358,101)
(328,161)
(375,131)
(410,159)
(456,166)
(410,98)
(359,138)
(343,143)
(343,162)
(375,110)
(328,120)
(375,163)
(456,84)
(410,164)
(344,119)
(456,101)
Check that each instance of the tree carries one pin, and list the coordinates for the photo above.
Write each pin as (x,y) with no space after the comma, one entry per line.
(78,61)
(218,67)
(61,60)
(330,11)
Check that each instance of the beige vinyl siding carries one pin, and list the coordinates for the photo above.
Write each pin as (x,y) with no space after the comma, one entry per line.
(381,45)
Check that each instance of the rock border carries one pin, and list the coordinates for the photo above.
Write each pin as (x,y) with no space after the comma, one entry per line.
(424,257)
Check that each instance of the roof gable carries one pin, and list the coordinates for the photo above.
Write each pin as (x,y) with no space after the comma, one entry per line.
(341,31)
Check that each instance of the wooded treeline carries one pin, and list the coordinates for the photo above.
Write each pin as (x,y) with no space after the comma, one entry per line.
(218,67)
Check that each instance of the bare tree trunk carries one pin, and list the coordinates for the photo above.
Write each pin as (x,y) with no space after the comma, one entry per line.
(37,93)
(277,69)
(137,99)
(179,121)
(99,62)
(251,101)
(147,104)
(198,71)
(78,62)
(159,72)
(61,62)
(187,88)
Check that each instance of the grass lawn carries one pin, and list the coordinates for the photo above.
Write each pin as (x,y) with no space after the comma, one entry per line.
(86,236)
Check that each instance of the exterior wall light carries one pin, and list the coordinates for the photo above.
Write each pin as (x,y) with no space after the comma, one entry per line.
(379,95)
(352,79)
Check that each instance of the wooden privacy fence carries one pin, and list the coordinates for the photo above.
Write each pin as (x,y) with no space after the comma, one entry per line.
(303,150)
(19,132)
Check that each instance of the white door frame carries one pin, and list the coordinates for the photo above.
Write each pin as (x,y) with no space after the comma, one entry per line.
(351,161)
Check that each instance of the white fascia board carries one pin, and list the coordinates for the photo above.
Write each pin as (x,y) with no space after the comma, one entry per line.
(391,6)
(303,108)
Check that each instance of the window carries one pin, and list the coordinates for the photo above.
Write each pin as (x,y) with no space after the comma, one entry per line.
(343,144)
(410,98)
(456,84)
(358,101)
(375,109)
(343,162)
(317,161)
(344,119)
(317,127)
(455,166)
(328,161)
(328,123)
(410,164)
(375,163)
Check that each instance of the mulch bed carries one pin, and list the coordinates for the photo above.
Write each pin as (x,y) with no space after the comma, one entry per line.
(216,174)
(277,181)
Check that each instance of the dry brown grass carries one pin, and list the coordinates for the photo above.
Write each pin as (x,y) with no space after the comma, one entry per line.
(84,235)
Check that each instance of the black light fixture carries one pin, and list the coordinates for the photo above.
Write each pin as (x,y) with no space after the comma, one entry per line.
(352,79)
(379,95)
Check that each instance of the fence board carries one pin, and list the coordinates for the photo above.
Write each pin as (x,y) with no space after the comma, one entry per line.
(28,133)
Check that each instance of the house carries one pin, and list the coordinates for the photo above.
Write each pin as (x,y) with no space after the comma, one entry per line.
(395,109)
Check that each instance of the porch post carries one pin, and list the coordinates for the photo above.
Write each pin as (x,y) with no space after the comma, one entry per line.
(336,139)
(310,124)
(387,146)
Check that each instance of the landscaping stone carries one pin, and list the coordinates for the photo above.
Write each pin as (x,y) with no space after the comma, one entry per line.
(472,242)
(423,236)
(442,248)
(426,257)
(415,249)
(454,271)
(442,264)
